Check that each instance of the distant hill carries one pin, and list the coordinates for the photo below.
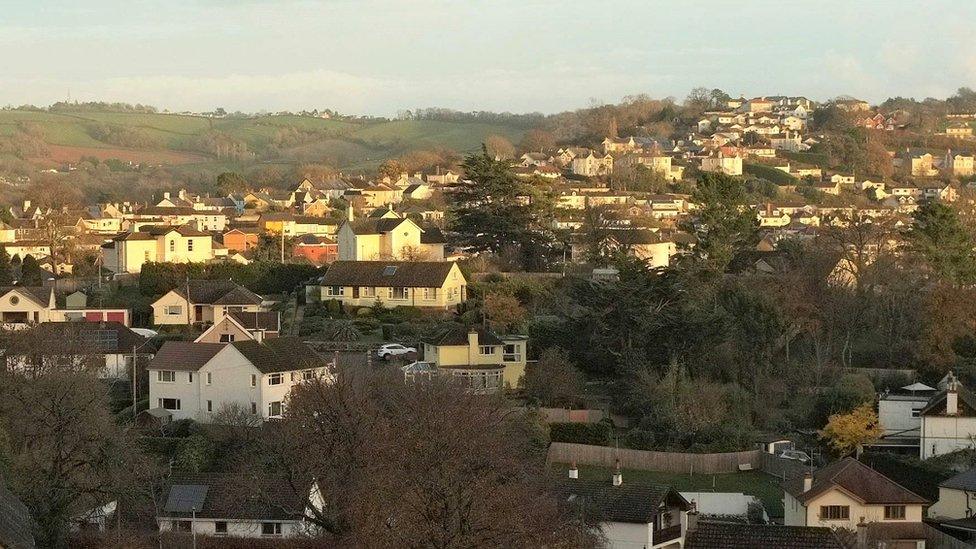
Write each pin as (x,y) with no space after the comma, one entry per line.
(175,139)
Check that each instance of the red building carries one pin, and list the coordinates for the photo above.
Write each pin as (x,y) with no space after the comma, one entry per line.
(317,249)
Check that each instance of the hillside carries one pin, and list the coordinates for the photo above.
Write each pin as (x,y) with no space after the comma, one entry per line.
(197,141)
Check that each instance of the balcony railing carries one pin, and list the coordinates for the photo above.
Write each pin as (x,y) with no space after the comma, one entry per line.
(666,534)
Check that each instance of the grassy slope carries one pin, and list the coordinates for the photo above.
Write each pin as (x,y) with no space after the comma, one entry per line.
(349,145)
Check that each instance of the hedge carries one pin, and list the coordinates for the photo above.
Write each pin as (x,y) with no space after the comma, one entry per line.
(815,159)
(769,173)
(261,277)
(599,434)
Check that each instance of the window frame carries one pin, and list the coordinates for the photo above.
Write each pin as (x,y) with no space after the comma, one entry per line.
(220,528)
(175,401)
(160,375)
(276,378)
(827,512)
(275,528)
(490,350)
(271,407)
(895,512)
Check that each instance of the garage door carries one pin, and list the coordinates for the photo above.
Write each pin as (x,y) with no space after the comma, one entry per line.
(117,317)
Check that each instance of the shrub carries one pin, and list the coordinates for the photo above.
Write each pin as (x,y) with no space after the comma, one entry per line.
(599,434)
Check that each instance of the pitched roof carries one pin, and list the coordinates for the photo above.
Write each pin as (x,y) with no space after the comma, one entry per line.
(39,293)
(110,338)
(937,405)
(15,522)
(218,292)
(857,479)
(269,321)
(184,356)
(394,274)
(432,235)
(965,480)
(233,497)
(629,502)
(279,354)
(457,335)
(375,225)
(715,535)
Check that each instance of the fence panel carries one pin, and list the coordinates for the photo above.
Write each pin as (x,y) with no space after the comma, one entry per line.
(667,462)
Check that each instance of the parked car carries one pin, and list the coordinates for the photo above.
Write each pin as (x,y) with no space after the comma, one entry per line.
(798,455)
(394,349)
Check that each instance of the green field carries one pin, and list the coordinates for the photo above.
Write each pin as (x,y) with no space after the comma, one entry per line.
(755,483)
(351,145)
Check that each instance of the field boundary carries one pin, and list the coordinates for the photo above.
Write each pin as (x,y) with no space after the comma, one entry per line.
(665,462)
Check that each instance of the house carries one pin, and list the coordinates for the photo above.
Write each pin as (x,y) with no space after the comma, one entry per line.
(16,528)
(487,362)
(240,326)
(959,129)
(899,412)
(956,499)
(845,493)
(959,165)
(428,284)
(619,145)
(394,238)
(195,380)
(722,163)
(591,165)
(757,104)
(730,535)
(21,306)
(241,239)
(447,178)
(209,302)
(108,348)
(319,250)
(948,421)
(203,220)
(225,505)
(129,251)
(634,515)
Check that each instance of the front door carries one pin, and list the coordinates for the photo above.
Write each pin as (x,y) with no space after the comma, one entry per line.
(355,292)
(198,313)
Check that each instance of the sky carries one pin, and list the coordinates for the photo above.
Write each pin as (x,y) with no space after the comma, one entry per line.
(379,57)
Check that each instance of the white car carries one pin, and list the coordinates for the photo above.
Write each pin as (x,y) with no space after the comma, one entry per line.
(798,455)
(394,349)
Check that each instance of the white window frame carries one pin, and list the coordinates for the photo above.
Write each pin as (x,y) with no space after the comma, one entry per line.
(335,291)
(227,338)
(485,350)
(162,403)
(276,379)
(160,375)
(275,528)
(174,310)
(254,380)
(209,378)
(271,406)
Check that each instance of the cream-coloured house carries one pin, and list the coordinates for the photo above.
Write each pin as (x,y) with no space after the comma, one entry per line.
(210,301)
(846,493)
(386,237)
(487,362)
(129,251)
(428,284)
(948,421)
(590,164)
(195,380)
(21,306)
(721,163)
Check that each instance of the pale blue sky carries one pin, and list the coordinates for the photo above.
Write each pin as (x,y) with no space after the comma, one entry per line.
(380,56)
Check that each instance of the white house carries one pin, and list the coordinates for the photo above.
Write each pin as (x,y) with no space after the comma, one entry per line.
(209,504)
(105,348)
(948,421)
(846,493)
(195,380)
(899,412)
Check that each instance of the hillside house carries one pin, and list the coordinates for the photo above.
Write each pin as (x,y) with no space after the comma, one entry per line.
(428,284)
(487,362)
(393,238)
(209,301)
(948,421)
(591,165)
(241,326)
(129,251)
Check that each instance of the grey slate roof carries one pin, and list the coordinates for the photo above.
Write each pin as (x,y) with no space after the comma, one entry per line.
(236,497)
(15,522)
(408,274)
(963,481)
(856,478)
(219,292)
(458,335)
(269,321)
(110,338)
(184,356)
(714,535)
(279,354)
(630,502)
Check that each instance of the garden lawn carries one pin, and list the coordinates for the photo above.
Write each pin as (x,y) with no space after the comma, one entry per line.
(755,483)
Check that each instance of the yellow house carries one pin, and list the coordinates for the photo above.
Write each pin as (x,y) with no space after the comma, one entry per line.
(128,252)
(846,493)
(210,301)
(486,361)
(388,238)
(428,284)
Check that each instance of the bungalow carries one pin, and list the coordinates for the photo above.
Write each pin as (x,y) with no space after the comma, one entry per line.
(107,347)
(487,362)
(21,306)
(210,504)
(428,284)
(209,302)
(846,493)
(195,380)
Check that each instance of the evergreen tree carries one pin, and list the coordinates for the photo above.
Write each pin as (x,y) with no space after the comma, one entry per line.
(939,238)
(6,272)
(31,273)
(725,224)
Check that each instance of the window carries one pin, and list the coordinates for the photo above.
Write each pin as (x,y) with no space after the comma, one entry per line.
(189,377)
(254,380)
(368,291)
(166,376)
(427,294)
(894,512)
(334,291)
(512,353)
(270,528)
(145,257)
(209,378)
(189,244)
(398,293)
(181,526)
(226,338)
(308,374)
(254,407)
(172,245)
(220,528)
(486,349)
(274,408)
(169,403)
(275,379)
(835,512)
(917,412)
(174,309)
(210,406)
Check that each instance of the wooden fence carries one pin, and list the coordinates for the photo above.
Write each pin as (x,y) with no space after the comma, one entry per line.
(667,462)
(568,415)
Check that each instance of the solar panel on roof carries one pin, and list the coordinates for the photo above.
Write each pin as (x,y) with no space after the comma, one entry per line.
(390,270)
(184,498)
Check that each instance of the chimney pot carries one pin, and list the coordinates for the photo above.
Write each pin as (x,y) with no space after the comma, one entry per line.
(573,471)
(807,481)
(952,398)
(618,477)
